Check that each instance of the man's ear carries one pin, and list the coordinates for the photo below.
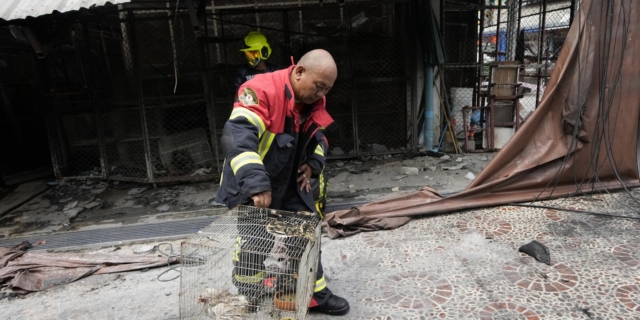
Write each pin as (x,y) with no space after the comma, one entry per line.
(299,71)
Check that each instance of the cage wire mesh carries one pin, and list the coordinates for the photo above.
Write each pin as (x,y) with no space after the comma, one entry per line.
(137,95)
(529,32)
(250,263)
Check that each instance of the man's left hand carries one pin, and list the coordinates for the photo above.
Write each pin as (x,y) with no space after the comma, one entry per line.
(304,177)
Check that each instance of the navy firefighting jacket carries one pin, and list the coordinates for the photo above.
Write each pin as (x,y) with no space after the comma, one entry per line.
(263,137)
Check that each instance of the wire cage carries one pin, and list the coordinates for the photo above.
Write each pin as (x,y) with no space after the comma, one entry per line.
(251,263)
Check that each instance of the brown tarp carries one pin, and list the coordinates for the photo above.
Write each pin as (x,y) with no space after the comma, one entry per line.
(34,271)
(582,137)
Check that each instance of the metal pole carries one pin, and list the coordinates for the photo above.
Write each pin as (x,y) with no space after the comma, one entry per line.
(224,52)
(428,106)
(143,116)
(413,50)
(208,92)
(543,6)
(480,58)
(97,104)
(498,30)
(354,95)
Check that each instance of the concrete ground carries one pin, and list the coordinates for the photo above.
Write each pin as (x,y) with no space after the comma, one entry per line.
(87,205)
(463,265)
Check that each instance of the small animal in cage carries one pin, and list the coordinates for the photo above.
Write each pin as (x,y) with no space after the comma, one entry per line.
(221,304)
(255,264)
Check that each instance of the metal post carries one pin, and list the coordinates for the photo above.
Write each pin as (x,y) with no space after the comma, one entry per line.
(143,116)
(208,92)
(480,58)
(224,52)
(498,29)
(97,103)
(354,95)
(543,5)
(571,11)
(413,50)
(428,106)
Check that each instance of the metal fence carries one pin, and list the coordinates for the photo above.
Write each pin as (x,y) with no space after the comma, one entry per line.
(530,32)
(137,95)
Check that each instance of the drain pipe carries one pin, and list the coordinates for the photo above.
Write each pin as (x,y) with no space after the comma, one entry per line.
(428,107)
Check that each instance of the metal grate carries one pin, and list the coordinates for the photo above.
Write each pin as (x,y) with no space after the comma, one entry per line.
(251,264)
(149,231)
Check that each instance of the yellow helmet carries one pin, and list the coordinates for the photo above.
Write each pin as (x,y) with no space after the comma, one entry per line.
(256,48)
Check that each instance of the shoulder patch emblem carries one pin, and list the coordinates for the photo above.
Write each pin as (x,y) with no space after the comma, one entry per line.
(248,97)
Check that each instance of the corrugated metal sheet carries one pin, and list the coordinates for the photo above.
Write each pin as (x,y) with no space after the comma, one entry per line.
(20,9)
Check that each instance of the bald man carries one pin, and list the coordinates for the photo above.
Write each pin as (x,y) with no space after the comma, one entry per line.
(274,149)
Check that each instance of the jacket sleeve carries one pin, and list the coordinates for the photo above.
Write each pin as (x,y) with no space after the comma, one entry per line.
(317,159)
(240,139)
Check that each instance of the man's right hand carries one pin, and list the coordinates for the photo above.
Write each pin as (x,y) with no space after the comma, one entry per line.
(262,199)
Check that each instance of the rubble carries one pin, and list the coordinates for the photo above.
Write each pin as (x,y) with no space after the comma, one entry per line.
(400,177)
(410,170)
(376,148)
(337,151)
(340,164)
(101,185)
(451,168)
(72,213)
(445,157)
(484,158)
(459,160)
(394,189)
(92,204)
(201,172)
(470,176)
(70,205)
(144,249)
(135,191)
(163,208)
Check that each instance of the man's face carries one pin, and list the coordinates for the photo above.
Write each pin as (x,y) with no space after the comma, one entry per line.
(311,86)
(253,57)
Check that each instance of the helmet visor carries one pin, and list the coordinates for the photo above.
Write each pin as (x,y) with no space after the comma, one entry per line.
(253,57)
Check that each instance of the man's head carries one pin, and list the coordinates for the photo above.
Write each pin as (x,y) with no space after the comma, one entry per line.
(256,48)
(313,76)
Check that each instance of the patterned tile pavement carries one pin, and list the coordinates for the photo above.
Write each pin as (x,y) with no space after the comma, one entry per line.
(466,265)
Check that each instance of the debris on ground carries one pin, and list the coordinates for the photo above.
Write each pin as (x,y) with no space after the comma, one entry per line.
(376,148)
(70,205)
(92,204)
(201,172)
(469,176)
(72,213)
(163,208)
(445,157)
(337,151)
(451,168)
(459,159)
(537,250)
(135,191)
(409,170)
(25,271)
(394,189)
(146,249)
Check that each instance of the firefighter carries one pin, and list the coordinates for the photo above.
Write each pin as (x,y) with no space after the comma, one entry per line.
(256,50)
(274,147)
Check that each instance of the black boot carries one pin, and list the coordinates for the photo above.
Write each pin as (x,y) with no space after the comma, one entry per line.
(326,302)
